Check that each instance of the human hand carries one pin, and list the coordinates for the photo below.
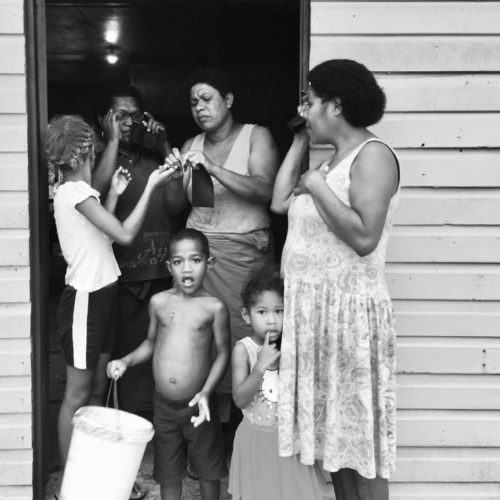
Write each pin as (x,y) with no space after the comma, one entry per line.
(194,157)
(111,126)
(307,179)
(268,355)
(152,125)
(174,161)
(201,399)
(120,180)
(116,368)
(300,125)
(159,176)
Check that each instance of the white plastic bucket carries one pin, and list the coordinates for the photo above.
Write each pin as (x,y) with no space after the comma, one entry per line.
(105,454)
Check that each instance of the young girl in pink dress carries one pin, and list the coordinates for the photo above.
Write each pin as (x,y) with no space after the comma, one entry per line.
(257,472)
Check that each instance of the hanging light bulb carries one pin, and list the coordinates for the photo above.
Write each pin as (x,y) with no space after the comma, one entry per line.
(112,58)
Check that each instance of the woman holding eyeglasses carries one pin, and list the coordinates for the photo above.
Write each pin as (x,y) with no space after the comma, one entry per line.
(338,348)
(242,160)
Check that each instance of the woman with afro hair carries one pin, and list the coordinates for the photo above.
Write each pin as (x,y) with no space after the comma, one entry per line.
(337,367)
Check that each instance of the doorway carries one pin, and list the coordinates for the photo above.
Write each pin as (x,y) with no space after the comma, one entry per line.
(157,43)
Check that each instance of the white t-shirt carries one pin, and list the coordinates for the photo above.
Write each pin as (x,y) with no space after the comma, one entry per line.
(86,249)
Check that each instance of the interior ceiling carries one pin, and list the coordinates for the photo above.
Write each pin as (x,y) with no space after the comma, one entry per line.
(174,32)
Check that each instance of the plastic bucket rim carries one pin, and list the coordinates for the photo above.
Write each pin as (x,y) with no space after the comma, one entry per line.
(115,426)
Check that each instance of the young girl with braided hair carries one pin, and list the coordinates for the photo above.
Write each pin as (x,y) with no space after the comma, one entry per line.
(86,231)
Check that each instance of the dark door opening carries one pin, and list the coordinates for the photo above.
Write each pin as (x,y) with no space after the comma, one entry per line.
(158,43)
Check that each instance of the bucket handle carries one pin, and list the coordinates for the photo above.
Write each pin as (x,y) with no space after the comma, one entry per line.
(113,386)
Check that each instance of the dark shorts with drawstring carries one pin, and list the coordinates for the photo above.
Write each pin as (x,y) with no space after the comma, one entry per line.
(176,440)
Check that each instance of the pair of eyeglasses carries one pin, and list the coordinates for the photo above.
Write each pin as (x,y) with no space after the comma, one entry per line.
(135,116)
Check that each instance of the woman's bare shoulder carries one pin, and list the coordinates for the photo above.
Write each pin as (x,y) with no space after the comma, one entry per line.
(187,145)
(260,133)
(376,154)
(376,165)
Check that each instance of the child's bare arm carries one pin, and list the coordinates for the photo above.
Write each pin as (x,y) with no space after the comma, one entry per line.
(223,347)
(119,182)
(143,352)
(122,232)
(246,384)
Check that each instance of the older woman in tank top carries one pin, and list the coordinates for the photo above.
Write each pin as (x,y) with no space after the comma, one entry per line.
(242,161)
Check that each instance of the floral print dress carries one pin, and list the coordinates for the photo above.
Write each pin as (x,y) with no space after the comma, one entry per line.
(337,367)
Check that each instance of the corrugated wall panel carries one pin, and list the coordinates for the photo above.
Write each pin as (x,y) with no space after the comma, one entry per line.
(415,18)
(16,454)
(446,318)
(441,167)
(438,63)
(429,53)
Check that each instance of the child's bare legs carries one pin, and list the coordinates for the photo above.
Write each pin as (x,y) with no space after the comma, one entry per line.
(171,492)
(209,489)
(350,485)
(76,395)
(101,381)
(83,387)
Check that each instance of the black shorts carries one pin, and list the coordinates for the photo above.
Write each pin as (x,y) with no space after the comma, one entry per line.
(86,324)
(176,439)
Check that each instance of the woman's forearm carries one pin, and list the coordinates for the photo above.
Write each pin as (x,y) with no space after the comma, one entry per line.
(288,175)
(342,220)
(249,187)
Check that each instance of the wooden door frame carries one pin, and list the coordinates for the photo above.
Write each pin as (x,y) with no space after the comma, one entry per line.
(36,95)
(304,57)
(305,41)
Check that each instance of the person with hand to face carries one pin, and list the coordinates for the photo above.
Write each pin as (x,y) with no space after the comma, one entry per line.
(257,472)
(120,112)
(338,350)
(242,161)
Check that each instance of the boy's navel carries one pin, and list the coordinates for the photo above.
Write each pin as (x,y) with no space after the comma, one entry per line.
(172,380)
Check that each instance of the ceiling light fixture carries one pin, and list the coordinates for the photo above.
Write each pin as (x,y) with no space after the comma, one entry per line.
(112,58)
(112,31)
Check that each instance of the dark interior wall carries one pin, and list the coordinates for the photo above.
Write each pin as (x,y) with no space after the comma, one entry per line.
(160,43)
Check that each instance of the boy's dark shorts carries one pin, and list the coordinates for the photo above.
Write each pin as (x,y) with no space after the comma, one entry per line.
(86,324)
(176,439)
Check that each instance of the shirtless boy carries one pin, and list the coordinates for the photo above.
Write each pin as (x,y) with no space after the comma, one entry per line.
(184,321)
